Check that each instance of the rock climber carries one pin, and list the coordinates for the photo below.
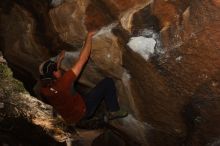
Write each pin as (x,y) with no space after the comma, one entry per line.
(58,89)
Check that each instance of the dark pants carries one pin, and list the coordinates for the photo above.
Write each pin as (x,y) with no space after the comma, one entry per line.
(104,90)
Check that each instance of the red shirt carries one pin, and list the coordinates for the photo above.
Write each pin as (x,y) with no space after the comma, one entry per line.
(71,107)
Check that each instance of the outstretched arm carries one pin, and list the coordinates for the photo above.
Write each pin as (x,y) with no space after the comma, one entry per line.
(84,54)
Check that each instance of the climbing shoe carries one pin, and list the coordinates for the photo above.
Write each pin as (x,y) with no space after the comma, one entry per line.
(117,114)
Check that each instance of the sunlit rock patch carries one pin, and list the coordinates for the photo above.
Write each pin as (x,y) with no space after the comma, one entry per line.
(146,43)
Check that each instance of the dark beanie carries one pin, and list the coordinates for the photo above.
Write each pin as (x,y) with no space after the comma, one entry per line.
(48,68)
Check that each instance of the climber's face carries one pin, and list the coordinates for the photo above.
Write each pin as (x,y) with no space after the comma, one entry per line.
(57,74)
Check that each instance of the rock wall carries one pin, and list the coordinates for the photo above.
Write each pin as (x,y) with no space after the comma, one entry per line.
(163,56)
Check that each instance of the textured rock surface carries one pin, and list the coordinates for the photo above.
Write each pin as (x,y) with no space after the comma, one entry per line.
(66,18)
(172,96)
(18,43)
(18,110)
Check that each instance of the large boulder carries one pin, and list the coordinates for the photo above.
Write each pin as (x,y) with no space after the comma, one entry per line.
(160,53)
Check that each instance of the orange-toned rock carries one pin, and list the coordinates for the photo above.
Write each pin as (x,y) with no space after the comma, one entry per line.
(216,2)
(181,69)
(117,8)
(166,12)
(96,17)
(68,21)
(189,35)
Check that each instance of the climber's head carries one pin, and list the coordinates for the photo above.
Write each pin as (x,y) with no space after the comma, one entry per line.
(48,69)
